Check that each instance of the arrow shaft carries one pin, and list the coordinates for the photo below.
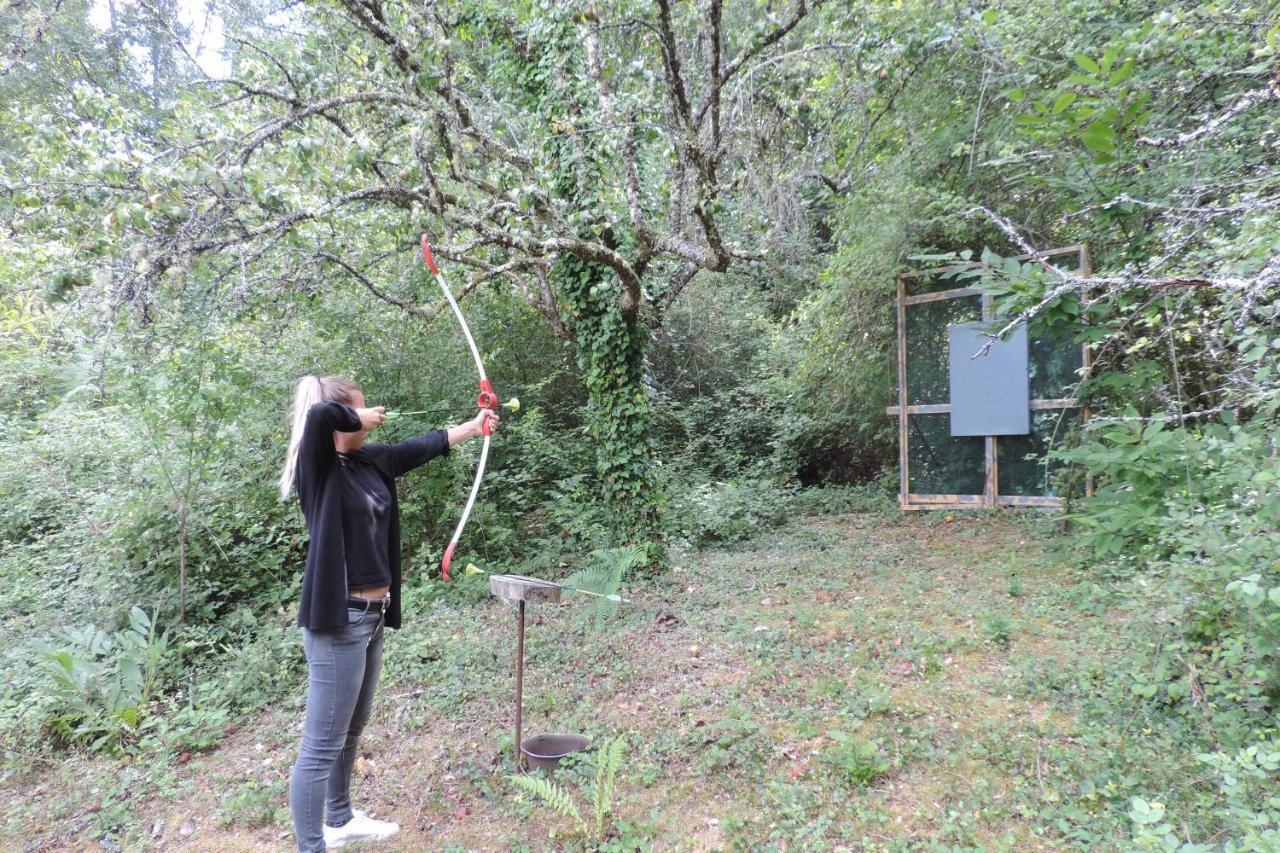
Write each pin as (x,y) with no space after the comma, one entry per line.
(422,412)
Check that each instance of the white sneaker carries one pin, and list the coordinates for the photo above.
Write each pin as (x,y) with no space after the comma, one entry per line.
(361,827)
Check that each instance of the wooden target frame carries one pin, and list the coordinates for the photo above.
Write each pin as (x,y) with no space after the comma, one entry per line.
(990,495)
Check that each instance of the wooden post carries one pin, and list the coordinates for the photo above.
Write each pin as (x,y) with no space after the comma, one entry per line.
(903,454)
(519,683)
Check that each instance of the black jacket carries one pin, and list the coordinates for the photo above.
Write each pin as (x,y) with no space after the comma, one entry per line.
(324,584)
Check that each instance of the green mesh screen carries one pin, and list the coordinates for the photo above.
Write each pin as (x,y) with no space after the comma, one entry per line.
(1019,475)
(938,464)
(1054,366)
(1054,359)
(929,346)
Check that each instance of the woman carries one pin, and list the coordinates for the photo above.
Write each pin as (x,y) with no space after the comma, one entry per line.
(350,590)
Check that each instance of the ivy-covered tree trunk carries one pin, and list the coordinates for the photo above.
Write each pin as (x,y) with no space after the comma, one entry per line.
(610,345)
(599,313)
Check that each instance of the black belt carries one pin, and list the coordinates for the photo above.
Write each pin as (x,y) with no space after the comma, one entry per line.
(377,605)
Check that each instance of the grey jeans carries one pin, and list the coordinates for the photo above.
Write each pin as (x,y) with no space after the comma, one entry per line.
(342,667)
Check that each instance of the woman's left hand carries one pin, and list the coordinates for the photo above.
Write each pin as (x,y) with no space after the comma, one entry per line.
(476,424)
(473,427)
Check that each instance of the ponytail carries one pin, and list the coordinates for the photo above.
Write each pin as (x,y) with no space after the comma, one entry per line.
(306,394)
(310,390)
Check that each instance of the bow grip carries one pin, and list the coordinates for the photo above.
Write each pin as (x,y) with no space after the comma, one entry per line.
(428,257)
(487,400)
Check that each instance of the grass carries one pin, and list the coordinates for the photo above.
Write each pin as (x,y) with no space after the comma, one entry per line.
(862,681)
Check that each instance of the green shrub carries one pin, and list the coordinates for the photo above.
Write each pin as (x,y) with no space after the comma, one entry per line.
(729,511)
(1197,512)
(999,629)
(99,684)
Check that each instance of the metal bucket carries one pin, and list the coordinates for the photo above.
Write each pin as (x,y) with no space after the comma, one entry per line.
(544,752)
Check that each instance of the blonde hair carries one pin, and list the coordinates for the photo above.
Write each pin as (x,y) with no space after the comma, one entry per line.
(308,391)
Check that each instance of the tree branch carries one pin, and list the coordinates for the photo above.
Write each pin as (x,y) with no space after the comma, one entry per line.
(407,307)
(1211,126)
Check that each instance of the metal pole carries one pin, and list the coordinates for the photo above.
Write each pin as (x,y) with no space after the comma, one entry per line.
(519,684)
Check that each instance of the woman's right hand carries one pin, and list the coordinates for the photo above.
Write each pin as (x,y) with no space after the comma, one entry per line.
(371,419)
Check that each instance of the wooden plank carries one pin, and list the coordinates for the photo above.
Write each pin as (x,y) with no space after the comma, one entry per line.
(522,588)
(1036,501)
(992,485)
(953,505)
(945,408)
(945,500)
(918,502)
(904,474)
(1073,249)
(952,268)
(921,298)
(920,409)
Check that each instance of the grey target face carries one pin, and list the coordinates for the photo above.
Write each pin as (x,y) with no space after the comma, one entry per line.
(986,383)
(990,394)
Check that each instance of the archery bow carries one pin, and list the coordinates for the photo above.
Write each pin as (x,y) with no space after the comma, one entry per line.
(486,400)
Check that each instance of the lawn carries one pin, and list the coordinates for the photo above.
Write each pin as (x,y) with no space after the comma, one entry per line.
(865,681)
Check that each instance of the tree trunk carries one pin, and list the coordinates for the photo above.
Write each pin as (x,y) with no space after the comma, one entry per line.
(610,347)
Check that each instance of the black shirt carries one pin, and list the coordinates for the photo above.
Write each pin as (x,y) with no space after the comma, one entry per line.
(366,521)
(321,486)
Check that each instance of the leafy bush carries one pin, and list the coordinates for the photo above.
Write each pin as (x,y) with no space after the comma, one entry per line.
(99,684)
(878,494)
(1199,509)
(728,511)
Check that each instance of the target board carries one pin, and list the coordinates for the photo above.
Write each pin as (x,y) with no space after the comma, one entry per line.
(990,394)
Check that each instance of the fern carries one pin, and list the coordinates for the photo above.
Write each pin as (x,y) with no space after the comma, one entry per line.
(553,795)
(602,580)
(608,762)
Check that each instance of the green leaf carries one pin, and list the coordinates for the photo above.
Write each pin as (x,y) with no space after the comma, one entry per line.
(1016,95)
(1100,137)
(1088,64)
(553,796)
(1122,73)
(1063,102)
(1108,59)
